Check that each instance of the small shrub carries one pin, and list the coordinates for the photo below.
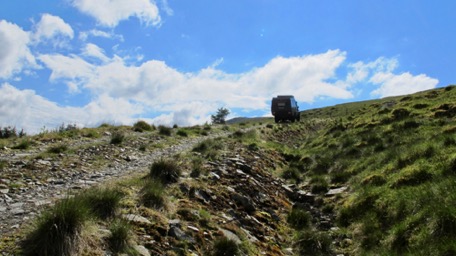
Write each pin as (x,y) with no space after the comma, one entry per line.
(165,171)
(141,126)
(164,130)
(299,218)
(153,194)
(270,126)
(119,239)
(225,247)
(58,229)
(117,138)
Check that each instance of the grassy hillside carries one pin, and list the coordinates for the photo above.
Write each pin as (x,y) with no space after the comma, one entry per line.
(364,178)
(398,158)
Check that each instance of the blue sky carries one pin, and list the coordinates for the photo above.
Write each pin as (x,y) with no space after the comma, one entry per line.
(171,62)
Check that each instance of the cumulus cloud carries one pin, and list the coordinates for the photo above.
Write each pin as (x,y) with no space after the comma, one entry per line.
(15,54)
(110,12)
(26,110)
(405,83)
(52,28)
(381,73)
(123,92)
(66,67)
(93,51)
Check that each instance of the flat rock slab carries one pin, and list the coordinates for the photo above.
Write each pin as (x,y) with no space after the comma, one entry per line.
(336,191)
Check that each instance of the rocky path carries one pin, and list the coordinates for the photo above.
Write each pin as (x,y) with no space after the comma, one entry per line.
(23,194)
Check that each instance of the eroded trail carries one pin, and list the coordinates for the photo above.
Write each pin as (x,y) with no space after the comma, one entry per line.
(28,183)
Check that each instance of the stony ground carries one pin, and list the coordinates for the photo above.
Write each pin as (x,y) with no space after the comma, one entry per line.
(30,179)
(245,200)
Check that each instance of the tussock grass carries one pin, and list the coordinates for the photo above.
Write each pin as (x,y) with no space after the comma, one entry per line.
(142,126)
(299,218)
(165,170)
(103,202)
(153,194)
(309,242)
(58,229)
(117,138)
(23,144)
(164,130)
(120,238)
(209,148)
(57,149)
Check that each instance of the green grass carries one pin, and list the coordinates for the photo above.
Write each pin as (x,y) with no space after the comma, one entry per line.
(165,170)
(104,203)
(209,148)
(120,238)
(23,144)
(397,157)
(142,126)
(117,138)
(225,247)
(58,230)
(164,130)
(299,218)
(153,194)
(57,149)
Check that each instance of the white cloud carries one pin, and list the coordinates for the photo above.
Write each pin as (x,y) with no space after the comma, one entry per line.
(123,91)
(93,51)
(54,29)
(381,74)
(15,55)
(24,109)
(84,35)
(64,67)
(166,8)
(162,88)
(110,12)
(405,83)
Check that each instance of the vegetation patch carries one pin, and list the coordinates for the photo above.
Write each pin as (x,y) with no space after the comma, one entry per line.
(165,170)
(58,230)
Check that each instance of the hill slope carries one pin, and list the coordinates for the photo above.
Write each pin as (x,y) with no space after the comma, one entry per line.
(365,178)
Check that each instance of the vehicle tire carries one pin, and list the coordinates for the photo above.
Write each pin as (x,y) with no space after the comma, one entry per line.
(276,119)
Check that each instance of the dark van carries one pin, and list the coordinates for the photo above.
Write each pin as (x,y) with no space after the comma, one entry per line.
(285,108)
